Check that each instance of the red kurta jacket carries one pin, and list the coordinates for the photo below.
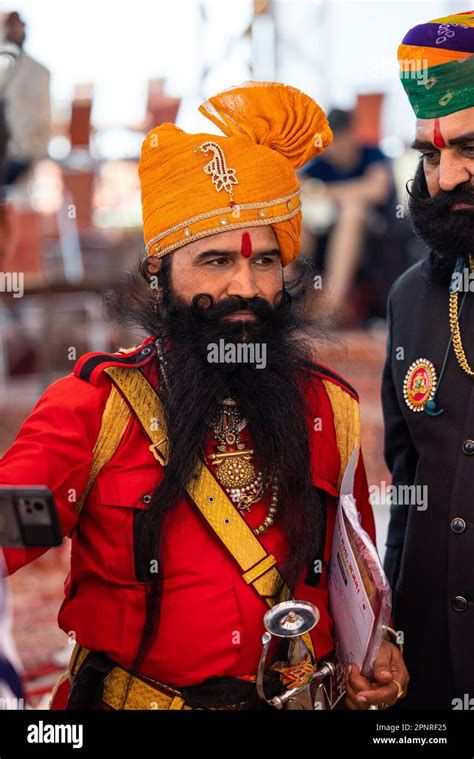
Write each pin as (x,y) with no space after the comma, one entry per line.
(211,620)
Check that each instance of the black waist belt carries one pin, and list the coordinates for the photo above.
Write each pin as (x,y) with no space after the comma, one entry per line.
(98,680)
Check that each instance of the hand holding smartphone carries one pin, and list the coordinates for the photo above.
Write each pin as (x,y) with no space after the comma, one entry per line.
(28,517)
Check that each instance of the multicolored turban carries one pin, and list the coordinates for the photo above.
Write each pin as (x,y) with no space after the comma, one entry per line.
(197,185)
(437,65)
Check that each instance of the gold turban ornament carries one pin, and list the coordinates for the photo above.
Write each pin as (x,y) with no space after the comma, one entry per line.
(197,185)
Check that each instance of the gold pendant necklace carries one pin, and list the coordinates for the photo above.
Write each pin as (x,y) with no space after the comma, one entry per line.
(455,331)
(235,469)
(234,464)
(227,430)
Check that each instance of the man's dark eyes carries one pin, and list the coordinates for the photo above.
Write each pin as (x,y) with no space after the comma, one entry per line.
(430,156)
(267,260)
(433,155)
(217,261)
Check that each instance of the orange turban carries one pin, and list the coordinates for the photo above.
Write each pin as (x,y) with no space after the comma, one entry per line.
(196,185)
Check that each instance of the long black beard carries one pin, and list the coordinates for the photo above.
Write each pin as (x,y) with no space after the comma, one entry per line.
(271,399)
(268,397)
(448,234)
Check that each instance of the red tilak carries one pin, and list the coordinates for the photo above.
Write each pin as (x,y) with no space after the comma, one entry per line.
(246,248)
(438,139)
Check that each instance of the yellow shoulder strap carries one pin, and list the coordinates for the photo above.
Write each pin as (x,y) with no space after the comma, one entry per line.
(114,422)
(346,414)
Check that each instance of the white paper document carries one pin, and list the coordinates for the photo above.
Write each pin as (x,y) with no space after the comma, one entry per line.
(350,606)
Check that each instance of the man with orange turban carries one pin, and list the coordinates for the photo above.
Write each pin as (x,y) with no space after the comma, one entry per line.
(428,391)
(207,462)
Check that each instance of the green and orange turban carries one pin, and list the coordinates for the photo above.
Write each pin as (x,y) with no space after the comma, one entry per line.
(197,185)
(437,65)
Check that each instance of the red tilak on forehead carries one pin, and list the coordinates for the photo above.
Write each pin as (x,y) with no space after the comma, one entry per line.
(438,139)
(246,247)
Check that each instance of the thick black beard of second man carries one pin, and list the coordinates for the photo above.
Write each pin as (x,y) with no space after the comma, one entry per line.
(448,234)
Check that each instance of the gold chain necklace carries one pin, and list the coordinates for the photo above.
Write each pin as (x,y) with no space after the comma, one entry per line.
(455,331)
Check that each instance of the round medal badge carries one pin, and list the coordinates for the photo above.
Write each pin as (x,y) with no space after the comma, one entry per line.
(420,384)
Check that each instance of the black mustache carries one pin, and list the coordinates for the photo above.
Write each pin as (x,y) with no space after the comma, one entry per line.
(444,200)
(205,307)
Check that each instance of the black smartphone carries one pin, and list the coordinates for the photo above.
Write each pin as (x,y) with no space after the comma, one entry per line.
(28,517)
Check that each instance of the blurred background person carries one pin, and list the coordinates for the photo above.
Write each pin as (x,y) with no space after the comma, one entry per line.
(353,186)
(27,104)
(12,694)
(8,56)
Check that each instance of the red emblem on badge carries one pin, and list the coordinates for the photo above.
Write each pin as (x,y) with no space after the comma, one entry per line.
(420,384)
